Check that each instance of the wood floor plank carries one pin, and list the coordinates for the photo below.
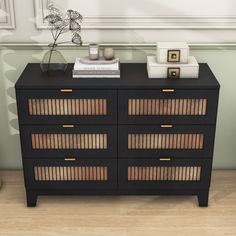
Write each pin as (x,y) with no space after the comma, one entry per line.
(118,215)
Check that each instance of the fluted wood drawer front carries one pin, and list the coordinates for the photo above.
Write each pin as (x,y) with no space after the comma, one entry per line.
(166,140)
(69,141)
(66,174)
(67,106)
(168,106)
(165,173)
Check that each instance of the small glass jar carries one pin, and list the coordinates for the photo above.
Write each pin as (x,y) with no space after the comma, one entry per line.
(93,51)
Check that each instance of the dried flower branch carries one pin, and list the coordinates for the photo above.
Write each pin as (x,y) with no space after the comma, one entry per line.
(60,23)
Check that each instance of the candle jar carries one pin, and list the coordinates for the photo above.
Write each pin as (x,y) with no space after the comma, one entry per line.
(93,51)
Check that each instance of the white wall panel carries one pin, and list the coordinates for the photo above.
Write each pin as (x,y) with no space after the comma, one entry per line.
(132,21)
(7,14)
(148,14)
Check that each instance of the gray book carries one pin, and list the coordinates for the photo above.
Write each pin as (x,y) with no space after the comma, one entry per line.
(96,72)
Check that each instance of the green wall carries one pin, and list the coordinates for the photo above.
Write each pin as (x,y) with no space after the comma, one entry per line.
(222,61)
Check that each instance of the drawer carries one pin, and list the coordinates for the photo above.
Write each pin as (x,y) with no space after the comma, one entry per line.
(78,174)
(174,174)
(167,106)
(67,106)
(69,141)
(166,141)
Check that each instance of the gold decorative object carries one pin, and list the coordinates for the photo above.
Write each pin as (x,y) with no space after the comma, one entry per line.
(173,73)
(173,56)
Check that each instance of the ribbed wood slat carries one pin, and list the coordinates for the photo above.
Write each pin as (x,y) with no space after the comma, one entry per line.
(164,107)
(71,173)
(164,173)
(69,141)
(165,141)
(67,107)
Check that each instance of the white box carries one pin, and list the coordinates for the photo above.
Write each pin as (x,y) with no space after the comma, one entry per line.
(172,52)
(163,71)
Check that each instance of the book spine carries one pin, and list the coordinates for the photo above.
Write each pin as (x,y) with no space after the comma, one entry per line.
(105,72)
(96,76)
(96,68)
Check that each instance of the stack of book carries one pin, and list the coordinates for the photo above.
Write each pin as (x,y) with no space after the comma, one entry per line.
(96,69)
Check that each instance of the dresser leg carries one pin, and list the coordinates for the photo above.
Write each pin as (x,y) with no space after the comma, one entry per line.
(203,198)
(31,198)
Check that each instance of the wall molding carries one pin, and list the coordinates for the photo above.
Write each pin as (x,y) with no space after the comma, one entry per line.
(142,22)
(7,14)
(121,46)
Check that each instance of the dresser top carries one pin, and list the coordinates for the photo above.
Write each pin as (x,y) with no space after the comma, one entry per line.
(133,76)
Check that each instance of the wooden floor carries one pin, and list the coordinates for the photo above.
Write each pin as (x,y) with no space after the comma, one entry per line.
(120,215)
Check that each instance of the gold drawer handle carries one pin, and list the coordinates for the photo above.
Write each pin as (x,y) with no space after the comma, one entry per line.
(168,90)
(70,159)
(165,159)
(68,126)
(166,126)
(66,90)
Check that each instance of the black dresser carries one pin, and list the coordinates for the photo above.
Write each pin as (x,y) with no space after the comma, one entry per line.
(130,135)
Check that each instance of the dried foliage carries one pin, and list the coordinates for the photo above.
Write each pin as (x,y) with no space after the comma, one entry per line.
(60,23)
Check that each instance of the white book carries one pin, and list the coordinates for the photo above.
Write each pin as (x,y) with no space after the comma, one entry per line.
(80,66)
(96,67)
(96,76)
